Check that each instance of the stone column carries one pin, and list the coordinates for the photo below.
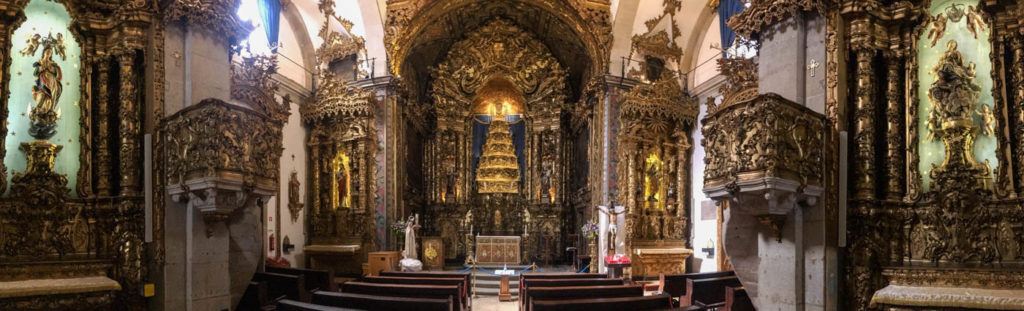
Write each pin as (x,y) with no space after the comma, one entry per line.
(130,125)
(864,127)
(894,124)
(103,127)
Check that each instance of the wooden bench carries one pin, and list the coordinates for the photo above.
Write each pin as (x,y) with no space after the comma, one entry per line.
(292,305)
(315,279)
(736,299)
(407,290)
(465,275)
(642,303)
(464,297)
(255,297)
(708,291)
(526,284)
(551,276)
(291,286)
(675,284)
(581,292)
(383,303)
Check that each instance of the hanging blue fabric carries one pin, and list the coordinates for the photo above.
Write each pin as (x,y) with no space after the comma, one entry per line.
(270,14)
(726,9)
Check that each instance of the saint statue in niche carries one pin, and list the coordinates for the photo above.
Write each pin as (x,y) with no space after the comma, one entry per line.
(47,89)
(341,193)
(651,182)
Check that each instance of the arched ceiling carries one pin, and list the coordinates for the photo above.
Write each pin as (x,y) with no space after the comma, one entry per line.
(430,46)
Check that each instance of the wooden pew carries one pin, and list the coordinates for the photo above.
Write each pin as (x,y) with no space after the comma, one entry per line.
(526,284)
(675,284)
(560,275)
(291,286)
(421,281)
(292,305)
(581,292)
(708,291)
(736,299)
(382,303)
(315,279)
(465,275)
(406,290)
(642,303)
(256,298)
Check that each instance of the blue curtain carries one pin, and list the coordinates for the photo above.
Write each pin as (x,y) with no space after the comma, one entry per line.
(482,123)
(726,9)
(270,14)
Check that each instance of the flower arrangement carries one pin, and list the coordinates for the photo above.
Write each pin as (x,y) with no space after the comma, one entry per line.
(589,230)
(398,227)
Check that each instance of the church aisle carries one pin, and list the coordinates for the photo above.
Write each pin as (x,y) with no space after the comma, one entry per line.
(483,303)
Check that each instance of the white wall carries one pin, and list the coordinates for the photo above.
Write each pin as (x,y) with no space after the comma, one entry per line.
(703,230)
(705,66)
(294,145)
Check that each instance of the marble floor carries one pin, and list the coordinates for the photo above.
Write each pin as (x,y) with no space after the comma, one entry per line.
(492,304)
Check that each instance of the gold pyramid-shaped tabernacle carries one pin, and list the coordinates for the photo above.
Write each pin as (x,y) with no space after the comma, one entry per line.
(498,171)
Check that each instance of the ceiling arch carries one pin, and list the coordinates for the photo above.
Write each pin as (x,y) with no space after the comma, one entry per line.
(422,40)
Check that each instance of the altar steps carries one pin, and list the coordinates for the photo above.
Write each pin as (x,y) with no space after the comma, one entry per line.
(489,285)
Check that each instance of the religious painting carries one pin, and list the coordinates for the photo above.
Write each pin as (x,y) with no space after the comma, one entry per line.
(44,89)
(294,206)
(341,181)
(653,184)
(956,30)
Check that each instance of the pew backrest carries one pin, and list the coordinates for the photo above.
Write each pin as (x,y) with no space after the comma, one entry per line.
(581,292)
(255,296)
(421,281)
(675,284)
(551,276)
(465,275)
(292,305)
(526,284)
(382,303)
(642,303)
(291,286)
(709,291)
(406,290)
(315,279)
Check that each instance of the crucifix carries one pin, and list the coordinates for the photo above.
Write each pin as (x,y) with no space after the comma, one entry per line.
(813,66)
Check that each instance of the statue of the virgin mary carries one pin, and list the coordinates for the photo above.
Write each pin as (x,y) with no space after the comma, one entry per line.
(410,262)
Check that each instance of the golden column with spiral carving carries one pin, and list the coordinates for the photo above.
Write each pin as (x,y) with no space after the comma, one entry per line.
(894,124)
(865,127)
(1018,80)
(103,127)
(130,123)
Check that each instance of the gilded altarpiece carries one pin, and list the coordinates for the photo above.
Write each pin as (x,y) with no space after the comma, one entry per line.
(498,50)
(342,145)
(933,105)
(63,213)
(653,172)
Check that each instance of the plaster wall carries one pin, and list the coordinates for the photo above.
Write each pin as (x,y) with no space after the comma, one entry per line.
(703,230)
(293,160)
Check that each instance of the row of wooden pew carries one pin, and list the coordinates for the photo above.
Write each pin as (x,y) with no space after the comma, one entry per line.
(706,291)
(307,290)
(584,292)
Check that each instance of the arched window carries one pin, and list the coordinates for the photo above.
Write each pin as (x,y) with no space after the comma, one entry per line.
(256,43)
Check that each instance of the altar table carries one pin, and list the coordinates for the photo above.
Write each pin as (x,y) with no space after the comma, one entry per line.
(497,250)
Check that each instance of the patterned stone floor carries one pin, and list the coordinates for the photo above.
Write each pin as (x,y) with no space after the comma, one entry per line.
(492,304)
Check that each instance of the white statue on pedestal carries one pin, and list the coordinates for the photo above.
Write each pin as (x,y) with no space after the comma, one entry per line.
(409,261)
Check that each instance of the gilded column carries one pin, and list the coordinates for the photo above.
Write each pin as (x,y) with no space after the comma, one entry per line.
(103,128)
(865,135)
(894,125)
(130,124)
(1018,91)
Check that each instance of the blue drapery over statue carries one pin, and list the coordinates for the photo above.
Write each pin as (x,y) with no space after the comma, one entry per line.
(481,125)
(270,14)
(726,9)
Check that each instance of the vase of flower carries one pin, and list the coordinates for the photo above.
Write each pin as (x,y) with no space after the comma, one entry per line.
(589,231)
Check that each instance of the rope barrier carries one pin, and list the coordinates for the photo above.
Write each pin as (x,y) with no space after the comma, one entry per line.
(584,269)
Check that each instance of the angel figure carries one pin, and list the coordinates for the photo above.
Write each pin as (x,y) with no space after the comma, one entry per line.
(938,28)
(988,120)
(974,21)
(47,88)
